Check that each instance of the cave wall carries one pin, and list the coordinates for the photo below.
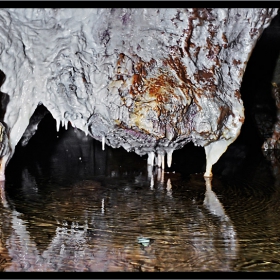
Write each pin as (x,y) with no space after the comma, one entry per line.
(147,80)
(259,89)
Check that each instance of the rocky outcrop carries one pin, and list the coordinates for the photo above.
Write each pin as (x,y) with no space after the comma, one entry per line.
(148,80)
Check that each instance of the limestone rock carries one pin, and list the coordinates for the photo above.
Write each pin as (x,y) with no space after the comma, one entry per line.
(149,80)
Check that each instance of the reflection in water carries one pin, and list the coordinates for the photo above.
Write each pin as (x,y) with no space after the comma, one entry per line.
(106,238)
(3,195)
(212,203)
(84,209)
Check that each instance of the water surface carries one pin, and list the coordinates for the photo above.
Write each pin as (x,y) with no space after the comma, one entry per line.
(69,206)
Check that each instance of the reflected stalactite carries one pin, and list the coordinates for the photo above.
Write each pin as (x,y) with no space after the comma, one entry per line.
(3,194)
(91,240)
(59,213)
(159,178)
(212,203)
(169,187)
(94,223)
(151,176)
(76,222)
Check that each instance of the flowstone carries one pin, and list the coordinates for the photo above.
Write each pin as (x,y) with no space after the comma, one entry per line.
(147,80)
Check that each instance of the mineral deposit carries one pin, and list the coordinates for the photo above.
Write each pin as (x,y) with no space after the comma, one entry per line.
(148,80)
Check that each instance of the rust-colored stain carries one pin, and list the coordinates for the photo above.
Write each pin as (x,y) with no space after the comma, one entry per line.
(197,50)
(140,68)
(253,32)
(137,80)
(224,111)
(120,77)
(224,37)
(203,14)
(155,90)
(180,69)
(213,52)
(160,87)
(204,75)
(157,87)
(121,59)
(236,62)
(237,94)
(192,45)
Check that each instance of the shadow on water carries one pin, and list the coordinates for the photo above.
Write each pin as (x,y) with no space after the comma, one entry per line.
(73,207)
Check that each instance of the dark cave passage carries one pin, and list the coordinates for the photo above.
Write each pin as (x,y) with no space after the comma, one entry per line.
(256,88)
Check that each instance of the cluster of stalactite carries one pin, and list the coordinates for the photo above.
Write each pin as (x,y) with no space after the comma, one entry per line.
(147,80)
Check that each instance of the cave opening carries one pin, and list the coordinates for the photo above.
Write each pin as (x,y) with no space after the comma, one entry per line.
(260,116)
(256,88)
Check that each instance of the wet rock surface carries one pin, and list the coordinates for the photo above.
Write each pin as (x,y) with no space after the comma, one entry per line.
(147,80)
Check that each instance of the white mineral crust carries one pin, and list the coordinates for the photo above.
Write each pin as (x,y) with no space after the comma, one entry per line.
(149,80)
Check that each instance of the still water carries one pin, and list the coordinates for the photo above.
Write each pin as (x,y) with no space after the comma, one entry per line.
(69,206)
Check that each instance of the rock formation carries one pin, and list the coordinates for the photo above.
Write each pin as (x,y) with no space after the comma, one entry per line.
(149,80)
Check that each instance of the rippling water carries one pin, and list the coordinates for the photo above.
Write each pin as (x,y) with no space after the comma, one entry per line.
(73,207)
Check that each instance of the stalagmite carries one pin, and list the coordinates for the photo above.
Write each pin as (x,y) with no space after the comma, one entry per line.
(144,79)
